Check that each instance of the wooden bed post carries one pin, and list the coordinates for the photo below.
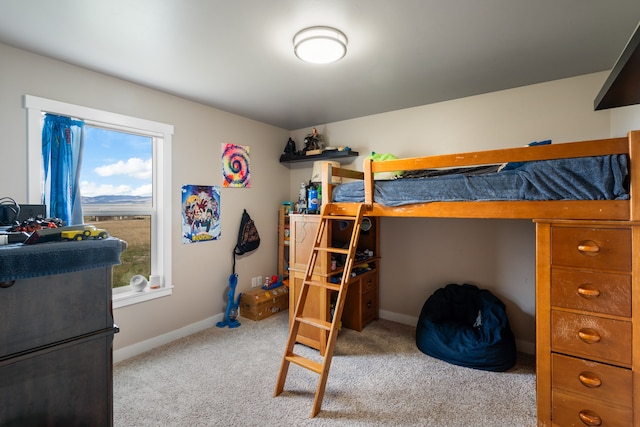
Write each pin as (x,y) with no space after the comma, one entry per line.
(326,182)
(634,171)
(368,184)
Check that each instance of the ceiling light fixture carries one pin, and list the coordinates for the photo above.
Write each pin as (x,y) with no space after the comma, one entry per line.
(320,45)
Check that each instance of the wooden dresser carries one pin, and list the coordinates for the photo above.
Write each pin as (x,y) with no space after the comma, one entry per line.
(361,305)
(588,323)
(57,333)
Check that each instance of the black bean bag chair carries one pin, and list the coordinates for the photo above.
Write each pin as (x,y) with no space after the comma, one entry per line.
(466,326)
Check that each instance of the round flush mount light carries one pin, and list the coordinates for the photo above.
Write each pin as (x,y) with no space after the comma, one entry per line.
(320,45)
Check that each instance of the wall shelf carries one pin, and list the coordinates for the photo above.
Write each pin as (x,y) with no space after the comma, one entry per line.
(339,156)
(622,87)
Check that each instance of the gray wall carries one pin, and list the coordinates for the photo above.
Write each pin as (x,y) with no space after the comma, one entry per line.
(200,271)
(419,255)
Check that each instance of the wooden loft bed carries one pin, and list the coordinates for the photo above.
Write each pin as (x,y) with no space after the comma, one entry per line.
(556,209)
(587,277)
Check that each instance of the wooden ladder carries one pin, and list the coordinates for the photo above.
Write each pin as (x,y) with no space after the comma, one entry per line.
(355,217)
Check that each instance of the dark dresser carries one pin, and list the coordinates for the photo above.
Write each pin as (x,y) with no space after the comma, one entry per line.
(56,333)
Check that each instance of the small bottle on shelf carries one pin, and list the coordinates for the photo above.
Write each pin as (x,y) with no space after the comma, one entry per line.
(302,198)
(313,199)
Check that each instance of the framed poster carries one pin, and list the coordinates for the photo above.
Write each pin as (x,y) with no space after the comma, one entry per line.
(236,171)
(200,213)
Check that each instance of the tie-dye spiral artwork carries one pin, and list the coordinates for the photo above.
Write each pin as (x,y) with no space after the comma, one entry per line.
(235,166)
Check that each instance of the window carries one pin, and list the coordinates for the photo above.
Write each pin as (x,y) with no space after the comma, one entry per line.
(125,190)
(116,183)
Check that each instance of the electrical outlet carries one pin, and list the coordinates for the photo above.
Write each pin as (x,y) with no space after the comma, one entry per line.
(256,282)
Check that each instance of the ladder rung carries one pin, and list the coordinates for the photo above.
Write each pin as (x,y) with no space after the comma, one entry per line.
(340,217)
(305,363)
(325,285)
(315,322)
(332,250)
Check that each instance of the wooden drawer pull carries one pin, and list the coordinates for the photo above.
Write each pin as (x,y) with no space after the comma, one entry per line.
(589,247)
(587,292)
(589,336)
(590,379)
(589,418)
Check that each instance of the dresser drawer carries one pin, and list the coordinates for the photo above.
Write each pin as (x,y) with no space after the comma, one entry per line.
(369,307)
(369,282)
(594,248)
(597,292)
(568,410)
(591,337)
(69,384)
(42,311)
(592,380)
(361,304)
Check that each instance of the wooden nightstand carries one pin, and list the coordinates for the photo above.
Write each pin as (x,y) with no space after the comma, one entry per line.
(362,297)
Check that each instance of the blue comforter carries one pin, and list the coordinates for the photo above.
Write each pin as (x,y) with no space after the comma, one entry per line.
(586,178)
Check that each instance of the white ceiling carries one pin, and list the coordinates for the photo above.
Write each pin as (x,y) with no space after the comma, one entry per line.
(237,55)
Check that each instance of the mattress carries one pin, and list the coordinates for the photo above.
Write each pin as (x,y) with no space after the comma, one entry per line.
(585,178)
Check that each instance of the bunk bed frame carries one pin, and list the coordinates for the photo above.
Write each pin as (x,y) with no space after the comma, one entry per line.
(617,210)
(580,221)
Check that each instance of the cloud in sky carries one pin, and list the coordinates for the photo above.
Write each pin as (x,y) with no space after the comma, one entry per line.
(91,189)
(134,167)
(116,163)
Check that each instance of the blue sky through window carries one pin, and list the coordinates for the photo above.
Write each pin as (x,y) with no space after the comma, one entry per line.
(116,164)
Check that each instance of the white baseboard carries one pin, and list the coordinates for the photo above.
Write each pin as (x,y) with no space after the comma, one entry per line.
(144,346)
(526,347)
(398,318)
(141,347)
(522,346)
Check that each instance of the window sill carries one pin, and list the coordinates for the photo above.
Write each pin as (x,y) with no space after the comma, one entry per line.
(128,297)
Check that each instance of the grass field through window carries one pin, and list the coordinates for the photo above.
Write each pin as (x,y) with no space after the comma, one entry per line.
(136,231)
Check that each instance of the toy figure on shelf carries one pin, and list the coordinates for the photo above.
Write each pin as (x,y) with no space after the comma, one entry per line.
(313,141)
(290,148)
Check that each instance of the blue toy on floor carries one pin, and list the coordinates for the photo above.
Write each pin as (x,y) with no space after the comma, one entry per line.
(231,313)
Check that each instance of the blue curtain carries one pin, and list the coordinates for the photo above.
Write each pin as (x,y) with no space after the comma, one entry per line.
(62,139)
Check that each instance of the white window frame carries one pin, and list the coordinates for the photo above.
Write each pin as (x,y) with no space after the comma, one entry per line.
(161,209)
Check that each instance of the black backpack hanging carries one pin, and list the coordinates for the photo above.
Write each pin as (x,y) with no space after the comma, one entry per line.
(248,238)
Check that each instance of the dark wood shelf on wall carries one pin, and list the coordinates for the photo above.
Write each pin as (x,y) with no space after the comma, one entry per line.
(340,156)
(622,87)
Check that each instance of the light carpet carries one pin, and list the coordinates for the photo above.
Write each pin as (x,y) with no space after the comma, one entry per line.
(226,377)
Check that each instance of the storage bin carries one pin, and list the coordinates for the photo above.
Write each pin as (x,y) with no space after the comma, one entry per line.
(260,303)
